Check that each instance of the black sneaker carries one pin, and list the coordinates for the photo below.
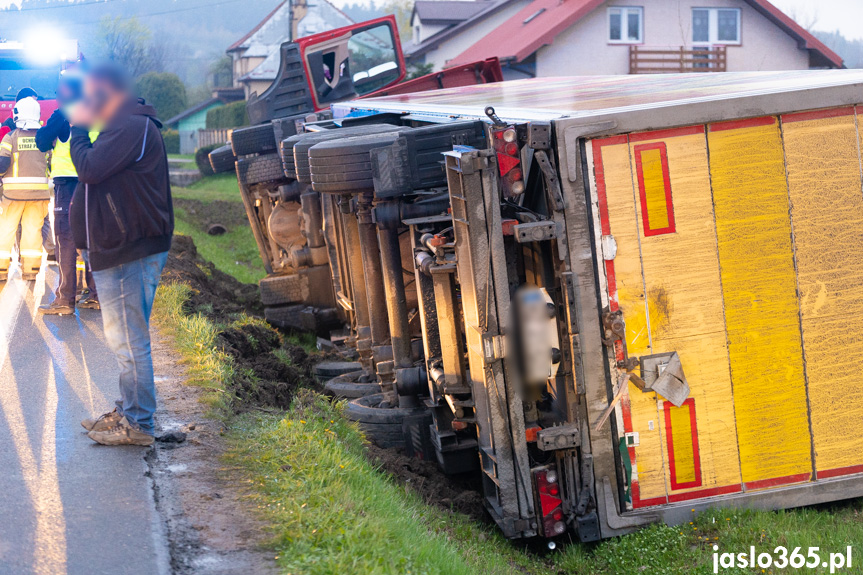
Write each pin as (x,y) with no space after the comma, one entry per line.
(51,259)
(89,302)
(57,308)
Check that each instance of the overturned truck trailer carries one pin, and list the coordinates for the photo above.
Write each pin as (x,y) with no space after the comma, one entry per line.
(617,299)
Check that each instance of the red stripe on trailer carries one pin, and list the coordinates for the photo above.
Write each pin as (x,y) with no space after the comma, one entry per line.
(840,471)
(669,133)
(738,124)
(818,114)
(776,481)
(696,454)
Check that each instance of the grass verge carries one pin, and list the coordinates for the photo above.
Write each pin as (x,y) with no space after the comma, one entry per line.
(235,252)
(331,511)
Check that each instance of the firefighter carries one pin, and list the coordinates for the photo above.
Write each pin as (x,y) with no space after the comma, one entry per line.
(54,137)
(26,192)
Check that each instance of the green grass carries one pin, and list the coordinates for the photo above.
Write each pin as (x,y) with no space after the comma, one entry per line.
(181,157)
(234,253)
(217,187)
(331,511)
(194,338)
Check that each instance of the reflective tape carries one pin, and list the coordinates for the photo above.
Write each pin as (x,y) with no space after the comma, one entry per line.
(24,180)
(31,253)
(6,146)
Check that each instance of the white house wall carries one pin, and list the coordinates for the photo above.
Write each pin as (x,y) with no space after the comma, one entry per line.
(467,38)
(583,49)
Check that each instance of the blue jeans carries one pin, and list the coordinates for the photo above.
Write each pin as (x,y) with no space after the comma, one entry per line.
(126,294)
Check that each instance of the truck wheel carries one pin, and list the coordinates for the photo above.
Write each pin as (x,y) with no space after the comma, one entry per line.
(383,426)
(345,165)
(223,159)
(286,151)
(253,140)
(327,370)
(278,290)
(347,387)
(304,142)
(260,169)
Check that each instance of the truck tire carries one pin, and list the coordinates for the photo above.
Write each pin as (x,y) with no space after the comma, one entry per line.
(301,143)
(327,370)
(382,426)
(278,290)
(347,387)
(253,140)
(260,169)
(340,166)
(286,151)
(223,159)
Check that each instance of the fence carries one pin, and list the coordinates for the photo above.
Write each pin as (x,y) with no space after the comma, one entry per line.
(644,60)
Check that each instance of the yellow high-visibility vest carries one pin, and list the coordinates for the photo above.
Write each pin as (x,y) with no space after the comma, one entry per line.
(61,160)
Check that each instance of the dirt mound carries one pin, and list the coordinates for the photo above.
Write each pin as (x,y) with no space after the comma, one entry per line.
(204,214)
(460,494)
(265,373)
(214,292)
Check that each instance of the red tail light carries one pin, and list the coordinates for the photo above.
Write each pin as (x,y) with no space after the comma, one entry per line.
(551,505)
(509,160)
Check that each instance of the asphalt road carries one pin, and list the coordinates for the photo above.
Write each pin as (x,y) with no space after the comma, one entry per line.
(67,505)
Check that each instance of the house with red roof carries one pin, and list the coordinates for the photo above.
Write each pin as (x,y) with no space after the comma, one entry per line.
(587,37)
(255,56)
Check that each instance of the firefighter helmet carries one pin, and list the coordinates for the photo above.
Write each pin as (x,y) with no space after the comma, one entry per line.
(26,114)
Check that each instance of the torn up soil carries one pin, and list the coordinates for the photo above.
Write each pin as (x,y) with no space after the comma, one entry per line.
(268,371)
(214,293)
(455,494)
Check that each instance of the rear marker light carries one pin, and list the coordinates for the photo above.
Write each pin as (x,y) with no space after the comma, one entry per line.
(517,188)
(558,528)
(551,476)
(509,135)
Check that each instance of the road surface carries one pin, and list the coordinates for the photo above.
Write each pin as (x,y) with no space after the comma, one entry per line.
(67,505)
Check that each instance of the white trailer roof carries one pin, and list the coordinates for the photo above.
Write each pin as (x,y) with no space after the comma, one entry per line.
(590,96)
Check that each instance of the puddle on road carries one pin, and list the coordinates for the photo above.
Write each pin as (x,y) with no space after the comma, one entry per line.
(177,468)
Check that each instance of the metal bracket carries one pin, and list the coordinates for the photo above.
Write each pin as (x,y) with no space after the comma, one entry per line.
(558,437)
(537,231)
(549,174)
(539,135)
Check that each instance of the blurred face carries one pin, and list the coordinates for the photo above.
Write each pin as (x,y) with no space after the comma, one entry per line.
(96,97)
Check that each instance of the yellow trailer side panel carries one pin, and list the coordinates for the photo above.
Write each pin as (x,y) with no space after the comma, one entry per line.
(760,296)
(630,293)
(684,297)
(827,214)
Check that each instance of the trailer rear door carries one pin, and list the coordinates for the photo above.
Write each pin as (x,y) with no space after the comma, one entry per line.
(739,245)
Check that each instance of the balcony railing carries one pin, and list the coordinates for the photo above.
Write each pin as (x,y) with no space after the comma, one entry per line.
(646,60)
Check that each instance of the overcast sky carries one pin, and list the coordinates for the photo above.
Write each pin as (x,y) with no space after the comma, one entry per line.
(829,15)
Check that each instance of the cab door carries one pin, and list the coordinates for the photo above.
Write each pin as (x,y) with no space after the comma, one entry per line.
(352,61)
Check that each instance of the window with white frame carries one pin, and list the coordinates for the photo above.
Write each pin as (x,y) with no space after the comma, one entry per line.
(625,24)
(715,26)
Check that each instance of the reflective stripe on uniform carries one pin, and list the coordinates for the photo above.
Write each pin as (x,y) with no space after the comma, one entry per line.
(6,146)
(23,180)
(31,253)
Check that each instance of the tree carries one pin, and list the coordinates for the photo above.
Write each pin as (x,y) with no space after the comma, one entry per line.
(221,72)
(163,90)
(128,43)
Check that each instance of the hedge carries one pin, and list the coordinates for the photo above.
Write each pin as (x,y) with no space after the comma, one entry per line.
(202,158)
(172,141)
(231,115)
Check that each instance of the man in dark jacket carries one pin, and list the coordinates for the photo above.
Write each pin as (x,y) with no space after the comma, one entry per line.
(122,217)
